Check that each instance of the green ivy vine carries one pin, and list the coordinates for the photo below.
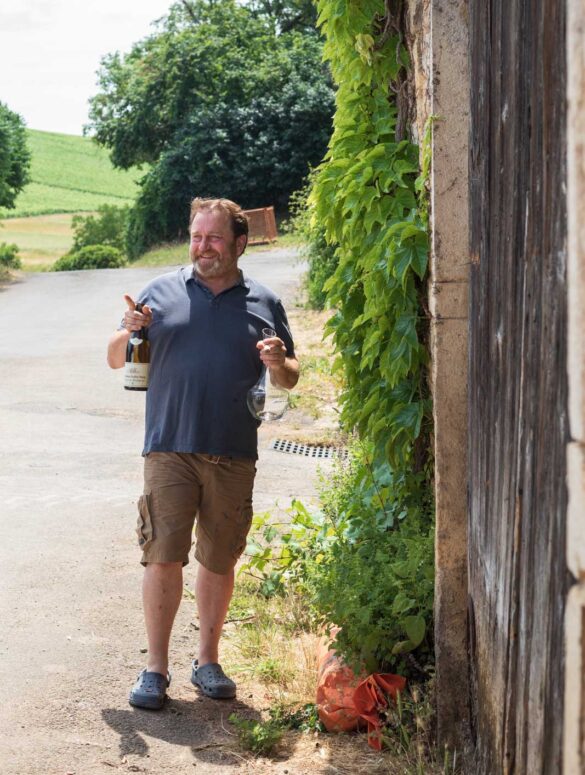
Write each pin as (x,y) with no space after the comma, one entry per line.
(364,561)
(369,195)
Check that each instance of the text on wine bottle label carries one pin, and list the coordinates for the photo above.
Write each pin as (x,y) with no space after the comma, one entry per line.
(136,375)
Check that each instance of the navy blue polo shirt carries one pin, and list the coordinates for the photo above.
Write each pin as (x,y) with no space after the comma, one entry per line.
(203,361)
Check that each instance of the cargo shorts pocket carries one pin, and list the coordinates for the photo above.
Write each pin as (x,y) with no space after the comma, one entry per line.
(144,525)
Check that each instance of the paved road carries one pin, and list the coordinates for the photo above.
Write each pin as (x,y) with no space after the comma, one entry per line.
(69,477)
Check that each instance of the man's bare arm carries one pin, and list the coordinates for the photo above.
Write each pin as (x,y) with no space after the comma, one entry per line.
(117,349)
(133,321)
(286,375)
(284,370)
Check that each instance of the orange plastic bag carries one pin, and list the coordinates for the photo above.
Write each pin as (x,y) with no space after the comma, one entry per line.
(335,688)
(371,698)
(345,700)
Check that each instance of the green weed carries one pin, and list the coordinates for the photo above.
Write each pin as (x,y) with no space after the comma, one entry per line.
(303,719)
(270,671)
(260,737)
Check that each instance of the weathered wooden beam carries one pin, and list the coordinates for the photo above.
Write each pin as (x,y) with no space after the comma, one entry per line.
(574,722)
(449,78)
(518,579)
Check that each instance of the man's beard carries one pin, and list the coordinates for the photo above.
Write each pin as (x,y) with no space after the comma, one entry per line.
(211,270)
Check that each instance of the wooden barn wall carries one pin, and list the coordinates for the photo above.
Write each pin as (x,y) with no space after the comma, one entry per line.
(518,428)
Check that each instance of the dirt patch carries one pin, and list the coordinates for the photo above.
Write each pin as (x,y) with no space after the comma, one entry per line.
(314,414)
(72,639)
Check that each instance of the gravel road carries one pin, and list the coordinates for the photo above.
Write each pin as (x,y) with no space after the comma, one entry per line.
(69,574)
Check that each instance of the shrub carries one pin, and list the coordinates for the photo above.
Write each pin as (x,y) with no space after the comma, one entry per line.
(108,227)
(9,257)
(90,257)
(365,563)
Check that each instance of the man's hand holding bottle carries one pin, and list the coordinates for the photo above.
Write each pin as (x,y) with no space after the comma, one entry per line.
(133,319)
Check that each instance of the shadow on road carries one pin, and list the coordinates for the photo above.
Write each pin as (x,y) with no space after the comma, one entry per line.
(200,724)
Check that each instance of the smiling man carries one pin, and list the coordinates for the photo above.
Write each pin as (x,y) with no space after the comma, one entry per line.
(205,323)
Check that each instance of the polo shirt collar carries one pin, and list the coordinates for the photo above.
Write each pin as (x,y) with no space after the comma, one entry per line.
(188,273)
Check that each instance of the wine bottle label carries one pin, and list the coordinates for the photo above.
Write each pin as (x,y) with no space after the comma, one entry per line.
(136,375)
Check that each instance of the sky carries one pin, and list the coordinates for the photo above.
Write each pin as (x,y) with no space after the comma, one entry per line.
(50,51)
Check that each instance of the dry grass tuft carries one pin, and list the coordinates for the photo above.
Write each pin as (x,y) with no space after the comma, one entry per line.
(271,645)
(271,649)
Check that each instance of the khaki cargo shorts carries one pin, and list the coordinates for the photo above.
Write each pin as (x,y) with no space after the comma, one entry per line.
(181,489)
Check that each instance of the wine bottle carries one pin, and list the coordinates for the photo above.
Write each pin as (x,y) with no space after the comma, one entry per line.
(137,359)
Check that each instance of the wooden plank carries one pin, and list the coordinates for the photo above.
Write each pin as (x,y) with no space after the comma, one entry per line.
(518,385)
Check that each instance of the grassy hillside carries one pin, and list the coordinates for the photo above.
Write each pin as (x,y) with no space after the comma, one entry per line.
(41,239)
(70,174)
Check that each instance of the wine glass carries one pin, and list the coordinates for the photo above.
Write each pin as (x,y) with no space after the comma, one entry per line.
(266,400)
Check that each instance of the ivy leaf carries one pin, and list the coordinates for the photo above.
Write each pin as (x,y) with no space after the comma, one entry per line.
(370,404)
(410,231)
(421,255)
(399,263)
(406,327)
(415,628)
(403,647)
(402,603)
(409,417)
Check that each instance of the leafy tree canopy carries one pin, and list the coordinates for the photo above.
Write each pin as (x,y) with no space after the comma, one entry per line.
(289,14)
(205,51)
(255,154)
(221,100)
(14,156)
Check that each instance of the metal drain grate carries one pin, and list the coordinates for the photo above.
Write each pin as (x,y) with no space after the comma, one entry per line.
(307,450)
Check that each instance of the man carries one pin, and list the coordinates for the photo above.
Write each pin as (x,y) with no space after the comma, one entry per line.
(205,325)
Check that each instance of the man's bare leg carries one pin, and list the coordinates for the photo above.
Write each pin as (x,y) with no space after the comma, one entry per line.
(162,589)
(214,592)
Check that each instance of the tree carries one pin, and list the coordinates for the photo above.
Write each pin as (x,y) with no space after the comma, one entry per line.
(220,102)
(108,227)
(289,14)
(256,154)
(14,156)
(214,51)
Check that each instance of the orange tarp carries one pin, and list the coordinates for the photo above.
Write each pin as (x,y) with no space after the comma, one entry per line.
(346,700)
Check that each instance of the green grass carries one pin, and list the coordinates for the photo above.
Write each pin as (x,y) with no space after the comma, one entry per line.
(178,252)
(165,255)
(71,174)
(41,240)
